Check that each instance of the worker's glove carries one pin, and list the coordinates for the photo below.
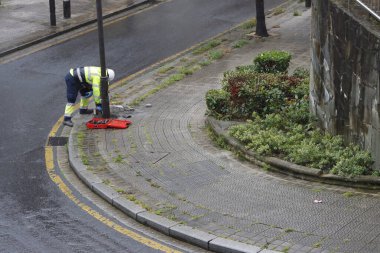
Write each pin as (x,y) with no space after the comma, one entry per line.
(88,94)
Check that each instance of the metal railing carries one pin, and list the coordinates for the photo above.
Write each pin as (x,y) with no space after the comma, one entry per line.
(372,6)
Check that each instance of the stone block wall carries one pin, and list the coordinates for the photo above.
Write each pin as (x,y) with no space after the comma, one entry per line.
(345,80)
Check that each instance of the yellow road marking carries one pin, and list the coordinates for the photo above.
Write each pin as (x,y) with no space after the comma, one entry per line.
(49,163)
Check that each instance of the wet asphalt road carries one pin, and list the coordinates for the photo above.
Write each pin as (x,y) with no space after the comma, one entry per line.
(34,215)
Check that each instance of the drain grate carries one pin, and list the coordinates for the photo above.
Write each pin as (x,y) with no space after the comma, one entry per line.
(58,141)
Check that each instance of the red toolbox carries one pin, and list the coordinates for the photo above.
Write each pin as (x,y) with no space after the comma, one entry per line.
(101,123)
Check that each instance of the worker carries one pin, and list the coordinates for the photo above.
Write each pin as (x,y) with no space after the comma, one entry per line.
(86,81)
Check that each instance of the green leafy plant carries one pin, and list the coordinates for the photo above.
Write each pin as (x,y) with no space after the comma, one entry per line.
(272,61)
(217,102)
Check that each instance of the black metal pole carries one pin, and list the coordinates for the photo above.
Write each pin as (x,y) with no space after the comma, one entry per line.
(308,3)
(52,13)
(104,78)
(66,9)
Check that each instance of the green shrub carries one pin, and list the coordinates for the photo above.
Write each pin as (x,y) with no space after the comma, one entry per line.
(301,73)
(246,68)
(353,162)
(217,102)
(272,62)
(255,92)
(276,134)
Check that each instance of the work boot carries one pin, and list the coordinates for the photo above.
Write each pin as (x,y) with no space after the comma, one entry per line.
(86,111)
(68,122)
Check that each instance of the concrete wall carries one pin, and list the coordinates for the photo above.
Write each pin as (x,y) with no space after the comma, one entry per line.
(345,82)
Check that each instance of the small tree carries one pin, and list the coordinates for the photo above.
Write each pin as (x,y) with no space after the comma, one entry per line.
(261,29)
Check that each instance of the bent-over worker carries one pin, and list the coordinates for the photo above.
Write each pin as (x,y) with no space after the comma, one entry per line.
(86,81)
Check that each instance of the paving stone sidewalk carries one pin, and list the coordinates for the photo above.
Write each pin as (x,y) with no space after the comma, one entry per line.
(166,163)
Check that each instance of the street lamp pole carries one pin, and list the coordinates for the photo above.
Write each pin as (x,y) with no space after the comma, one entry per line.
(104,78)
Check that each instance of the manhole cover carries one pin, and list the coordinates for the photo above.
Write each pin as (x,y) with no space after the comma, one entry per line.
(57,141)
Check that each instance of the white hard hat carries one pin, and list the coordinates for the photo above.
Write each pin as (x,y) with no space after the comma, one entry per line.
(111,74)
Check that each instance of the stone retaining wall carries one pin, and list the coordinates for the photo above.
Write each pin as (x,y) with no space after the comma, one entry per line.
(345,92)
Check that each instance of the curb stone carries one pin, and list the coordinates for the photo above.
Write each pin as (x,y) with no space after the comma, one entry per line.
(288,168)
(168,227)
(225,245)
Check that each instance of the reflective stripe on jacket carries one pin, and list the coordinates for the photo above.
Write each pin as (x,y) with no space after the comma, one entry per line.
(89,77)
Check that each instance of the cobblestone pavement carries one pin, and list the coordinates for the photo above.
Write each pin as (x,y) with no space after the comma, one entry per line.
(165,162)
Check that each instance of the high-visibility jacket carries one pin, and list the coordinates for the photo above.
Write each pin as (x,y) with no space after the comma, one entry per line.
(89,78)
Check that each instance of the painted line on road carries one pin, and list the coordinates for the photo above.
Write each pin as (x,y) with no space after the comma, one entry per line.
(50,167)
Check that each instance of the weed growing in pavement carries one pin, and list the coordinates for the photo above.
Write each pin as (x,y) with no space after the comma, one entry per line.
(278,11)
(215,55)
(106,182)
(81,137)
(289,230)
(296,13)
(120,191)
(191,63)
(166,69)
(196,217)
(286,249)
(240,43)
(118,159)
(218,140)
(348,194)
(131,197)
(85,160)
(249,24)
(186,71)
(205,63)
(155,185)
(172,217)
(206,47)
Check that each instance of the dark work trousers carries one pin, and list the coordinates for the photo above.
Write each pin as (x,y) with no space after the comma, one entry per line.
(73,87)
